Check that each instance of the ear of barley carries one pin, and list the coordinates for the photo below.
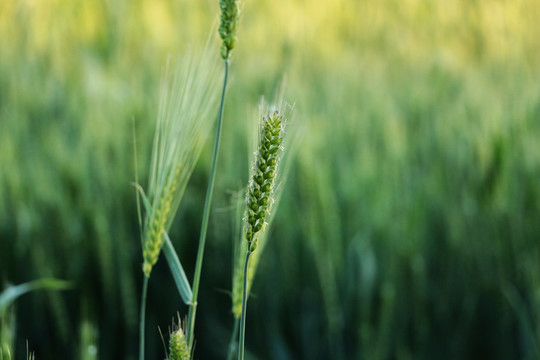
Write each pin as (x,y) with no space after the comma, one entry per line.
(188,95)
(227,26)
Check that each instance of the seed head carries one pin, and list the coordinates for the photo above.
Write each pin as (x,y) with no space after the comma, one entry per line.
(189,90)
(178,347)
(227,27)
(157,222)
(259,195)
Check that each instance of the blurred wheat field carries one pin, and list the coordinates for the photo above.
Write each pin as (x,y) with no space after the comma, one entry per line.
(409,227)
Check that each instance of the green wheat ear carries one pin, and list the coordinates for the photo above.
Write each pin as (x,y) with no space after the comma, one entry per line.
(188,95)
(290,143)
(259,201)
(262,182)
(178,347)
(227,27)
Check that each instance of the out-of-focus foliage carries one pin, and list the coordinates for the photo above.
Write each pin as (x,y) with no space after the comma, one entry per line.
(409,227)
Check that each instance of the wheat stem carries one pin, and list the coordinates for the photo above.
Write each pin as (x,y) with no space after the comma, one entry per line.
(242,339)
(206,213)
(142,318)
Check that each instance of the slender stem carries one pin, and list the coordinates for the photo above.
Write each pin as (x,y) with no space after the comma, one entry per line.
(142,318)
(242,340)
(206,213)
(233,344)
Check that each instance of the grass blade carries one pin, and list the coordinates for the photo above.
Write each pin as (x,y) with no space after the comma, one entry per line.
(177,270)
(11,293)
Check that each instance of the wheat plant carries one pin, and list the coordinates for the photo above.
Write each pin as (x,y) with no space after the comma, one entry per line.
(259,199)
(188,94)
(289,144)
(227,32)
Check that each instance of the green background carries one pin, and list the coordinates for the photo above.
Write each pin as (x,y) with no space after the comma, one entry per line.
(409,226)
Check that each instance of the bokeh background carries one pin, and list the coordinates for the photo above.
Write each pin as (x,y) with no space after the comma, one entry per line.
(409,227)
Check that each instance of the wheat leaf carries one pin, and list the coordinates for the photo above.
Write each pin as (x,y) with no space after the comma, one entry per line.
(11,293)
(177,270)
(146,202)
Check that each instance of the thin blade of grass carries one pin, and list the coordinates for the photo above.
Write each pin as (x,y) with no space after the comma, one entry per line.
(136,165)
(11,293)
(146,202)
(177,270)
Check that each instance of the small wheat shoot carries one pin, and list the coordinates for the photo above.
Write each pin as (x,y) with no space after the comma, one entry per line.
(189,91)
(259,199)
(178,346)
(30,355)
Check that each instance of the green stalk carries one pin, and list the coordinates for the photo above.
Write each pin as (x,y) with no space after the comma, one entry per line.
(233,343)
(242,339)
(142,318)
(206,214)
